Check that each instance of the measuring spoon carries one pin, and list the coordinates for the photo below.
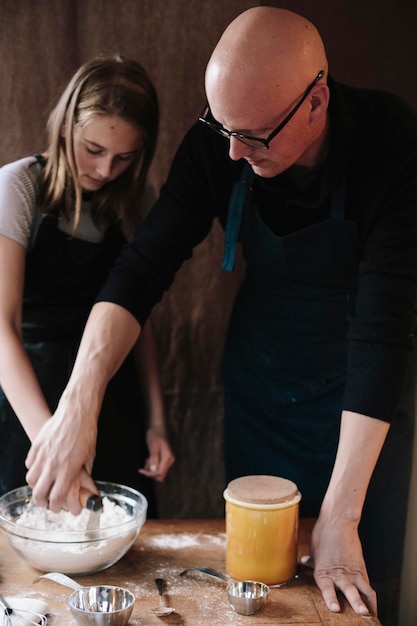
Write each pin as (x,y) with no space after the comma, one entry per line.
(161,610)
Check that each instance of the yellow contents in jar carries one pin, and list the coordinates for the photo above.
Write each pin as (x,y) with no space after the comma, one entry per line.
(261,539)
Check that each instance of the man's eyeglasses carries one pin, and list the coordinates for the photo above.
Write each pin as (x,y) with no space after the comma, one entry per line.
(255,142)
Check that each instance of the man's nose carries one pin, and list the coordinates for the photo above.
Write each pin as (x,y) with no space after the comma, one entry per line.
(238,149)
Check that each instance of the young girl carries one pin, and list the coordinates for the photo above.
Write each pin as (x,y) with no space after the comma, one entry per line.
(64,215)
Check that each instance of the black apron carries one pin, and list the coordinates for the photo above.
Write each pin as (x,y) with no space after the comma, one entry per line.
(285,360)
(63,276)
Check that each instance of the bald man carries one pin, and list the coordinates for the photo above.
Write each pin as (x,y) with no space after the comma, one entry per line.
(318,181)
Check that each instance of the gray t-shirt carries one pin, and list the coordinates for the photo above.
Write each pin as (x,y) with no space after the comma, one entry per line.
(20,215)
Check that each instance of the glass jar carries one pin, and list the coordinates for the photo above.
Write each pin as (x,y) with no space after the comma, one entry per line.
(261,528)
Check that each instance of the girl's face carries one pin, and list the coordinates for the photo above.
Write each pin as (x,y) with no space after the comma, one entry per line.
(104,147)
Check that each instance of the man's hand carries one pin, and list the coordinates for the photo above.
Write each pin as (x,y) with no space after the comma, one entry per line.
(62,454)
(339,564)
(59,462)
(335,546)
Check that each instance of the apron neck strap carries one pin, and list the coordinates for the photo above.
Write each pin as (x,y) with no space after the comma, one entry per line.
(240,199)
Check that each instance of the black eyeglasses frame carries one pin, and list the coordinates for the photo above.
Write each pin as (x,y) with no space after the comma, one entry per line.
(260,143)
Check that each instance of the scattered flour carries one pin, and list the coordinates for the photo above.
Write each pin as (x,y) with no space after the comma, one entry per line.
(177,541)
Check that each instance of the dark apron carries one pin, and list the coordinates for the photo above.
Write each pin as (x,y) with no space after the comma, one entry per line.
(286,350)
(63,276)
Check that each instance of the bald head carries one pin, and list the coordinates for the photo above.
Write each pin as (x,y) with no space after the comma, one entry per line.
(265,68)
(266,49)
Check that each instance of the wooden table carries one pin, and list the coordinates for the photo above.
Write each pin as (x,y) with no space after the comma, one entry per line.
(163,549)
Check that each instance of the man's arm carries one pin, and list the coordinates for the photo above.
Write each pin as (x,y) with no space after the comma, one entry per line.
(65,446)
(336,548)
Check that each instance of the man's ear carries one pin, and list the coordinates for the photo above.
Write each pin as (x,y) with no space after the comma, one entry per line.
(319,101)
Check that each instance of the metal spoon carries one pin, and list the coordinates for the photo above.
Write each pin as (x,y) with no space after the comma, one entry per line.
(206,570)
(161,610)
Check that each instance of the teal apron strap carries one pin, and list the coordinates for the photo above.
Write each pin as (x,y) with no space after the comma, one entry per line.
(239,200)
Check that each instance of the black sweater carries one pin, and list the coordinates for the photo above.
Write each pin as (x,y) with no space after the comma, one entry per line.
(373,144)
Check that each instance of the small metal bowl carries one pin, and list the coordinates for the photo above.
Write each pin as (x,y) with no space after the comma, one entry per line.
(102,605)
(247,596)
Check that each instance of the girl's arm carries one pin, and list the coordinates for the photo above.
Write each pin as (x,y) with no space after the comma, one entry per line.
(160,453)
(17,377)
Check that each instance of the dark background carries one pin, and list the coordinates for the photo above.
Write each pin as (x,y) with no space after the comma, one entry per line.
(369,43)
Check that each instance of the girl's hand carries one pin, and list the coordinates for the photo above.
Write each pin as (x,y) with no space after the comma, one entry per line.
(160,457)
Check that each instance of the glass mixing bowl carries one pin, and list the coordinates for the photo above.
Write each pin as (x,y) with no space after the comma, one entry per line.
(62,543)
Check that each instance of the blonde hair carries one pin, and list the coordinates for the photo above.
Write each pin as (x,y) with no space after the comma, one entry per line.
(104,86)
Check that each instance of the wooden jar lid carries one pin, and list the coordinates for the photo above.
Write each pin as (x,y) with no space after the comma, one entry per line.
(262,489)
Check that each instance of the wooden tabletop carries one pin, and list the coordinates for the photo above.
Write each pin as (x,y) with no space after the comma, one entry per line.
(163,549)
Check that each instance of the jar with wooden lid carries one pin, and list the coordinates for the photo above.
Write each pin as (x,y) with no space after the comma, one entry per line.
(261,528)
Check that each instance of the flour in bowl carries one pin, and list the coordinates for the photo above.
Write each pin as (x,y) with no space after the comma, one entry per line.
(44,519)
(60,542)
